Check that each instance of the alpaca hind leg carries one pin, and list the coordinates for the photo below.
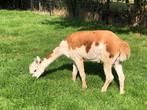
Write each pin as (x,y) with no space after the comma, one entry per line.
(121,76)
(109,76)
(74,72)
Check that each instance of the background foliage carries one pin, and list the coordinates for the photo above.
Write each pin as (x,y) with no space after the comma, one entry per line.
(126,12)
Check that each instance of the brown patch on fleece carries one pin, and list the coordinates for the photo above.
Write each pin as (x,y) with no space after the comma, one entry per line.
(78,39)
(88,46)
(86,38)
(49,55)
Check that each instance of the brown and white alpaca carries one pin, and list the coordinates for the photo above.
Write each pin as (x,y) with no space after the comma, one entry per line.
(99,46)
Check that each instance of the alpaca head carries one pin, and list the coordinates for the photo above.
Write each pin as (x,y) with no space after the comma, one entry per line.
(36,68)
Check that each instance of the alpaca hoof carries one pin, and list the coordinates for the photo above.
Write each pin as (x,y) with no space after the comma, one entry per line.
(103,90)
(84,87)
(74,79)
(122,92)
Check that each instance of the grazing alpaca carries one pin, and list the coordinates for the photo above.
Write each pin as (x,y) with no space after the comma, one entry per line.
(98,45)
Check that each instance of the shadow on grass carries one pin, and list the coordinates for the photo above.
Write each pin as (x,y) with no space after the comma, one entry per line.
(95,25)
(91,68)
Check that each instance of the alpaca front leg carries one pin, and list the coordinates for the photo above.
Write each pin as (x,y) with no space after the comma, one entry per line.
(74,72)
(80,66)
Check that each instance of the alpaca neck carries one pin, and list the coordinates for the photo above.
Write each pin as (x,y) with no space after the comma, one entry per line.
(51,57)
(62,49)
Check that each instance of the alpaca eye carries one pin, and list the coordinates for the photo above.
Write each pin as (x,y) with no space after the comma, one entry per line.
(35,70)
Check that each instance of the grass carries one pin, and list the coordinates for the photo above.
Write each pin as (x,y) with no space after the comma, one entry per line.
(24,35)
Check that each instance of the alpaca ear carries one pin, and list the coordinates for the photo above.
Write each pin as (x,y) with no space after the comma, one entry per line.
(37,59)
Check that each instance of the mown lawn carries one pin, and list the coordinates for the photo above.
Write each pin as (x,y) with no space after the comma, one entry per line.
(24,35)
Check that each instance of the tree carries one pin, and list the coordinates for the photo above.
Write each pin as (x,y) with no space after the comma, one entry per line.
(139,8)
(71,7)
(32,4)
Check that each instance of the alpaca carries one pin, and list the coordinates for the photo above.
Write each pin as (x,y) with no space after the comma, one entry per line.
(98,46)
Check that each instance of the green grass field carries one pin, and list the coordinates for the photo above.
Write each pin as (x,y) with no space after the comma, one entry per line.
(24,35)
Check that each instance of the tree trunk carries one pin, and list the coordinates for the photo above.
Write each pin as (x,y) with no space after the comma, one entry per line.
(71,7)
(139,9)
(40,5)
(127,1)
(32,5)
(107,11)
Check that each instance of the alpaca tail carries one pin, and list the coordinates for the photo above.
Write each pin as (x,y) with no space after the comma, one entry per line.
(124,51)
